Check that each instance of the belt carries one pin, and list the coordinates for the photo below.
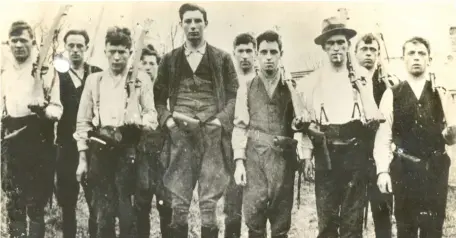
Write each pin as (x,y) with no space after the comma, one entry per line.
(283,142)
(403,154)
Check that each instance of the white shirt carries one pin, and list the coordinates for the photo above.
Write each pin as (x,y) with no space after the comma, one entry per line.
(194,56)
(76,78)
(17,87)
(383,148)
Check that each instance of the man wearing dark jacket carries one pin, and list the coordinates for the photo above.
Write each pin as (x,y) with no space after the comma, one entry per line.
(71,86)
(200,82)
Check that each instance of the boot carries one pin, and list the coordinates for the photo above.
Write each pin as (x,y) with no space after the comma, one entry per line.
(253,234)
(179,231)
(209,232)
(165,221)
(233,230)
(18,229)
(281,236)
(36,229)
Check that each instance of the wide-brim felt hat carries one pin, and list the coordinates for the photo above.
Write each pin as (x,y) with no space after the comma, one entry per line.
(334,26)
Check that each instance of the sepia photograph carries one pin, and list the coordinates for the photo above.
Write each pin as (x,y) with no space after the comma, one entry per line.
(234,119)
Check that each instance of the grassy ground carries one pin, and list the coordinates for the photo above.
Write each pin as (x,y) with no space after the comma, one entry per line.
(304,221)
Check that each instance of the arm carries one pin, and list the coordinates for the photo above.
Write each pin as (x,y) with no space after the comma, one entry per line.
(54,109)
(231,86)
(241,123)
(383,154)
(85,114)
(161,92)
(148,114)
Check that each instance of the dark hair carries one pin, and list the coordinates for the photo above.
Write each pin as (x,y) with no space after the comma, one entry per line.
(368,39)
(118,36)
(415,40)
(83,33)
(244,38)
(18,27)
(269,36)
(191,7)
(150,50)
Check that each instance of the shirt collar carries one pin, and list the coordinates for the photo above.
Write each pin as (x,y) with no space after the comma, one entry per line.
(201,50)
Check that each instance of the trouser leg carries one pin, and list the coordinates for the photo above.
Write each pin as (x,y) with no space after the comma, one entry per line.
(125,188)
(381,205)
(353,204)
(233,210)
(143,203)
(16,210)
(328,198)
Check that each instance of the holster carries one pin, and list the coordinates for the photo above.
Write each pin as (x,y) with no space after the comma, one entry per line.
(286,144)
(185,121)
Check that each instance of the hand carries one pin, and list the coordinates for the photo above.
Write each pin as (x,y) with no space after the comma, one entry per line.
(307,169)
(170,123)
(44,70)
(215,122)
(384,183)
(301,122)
(82,167)
(239,174)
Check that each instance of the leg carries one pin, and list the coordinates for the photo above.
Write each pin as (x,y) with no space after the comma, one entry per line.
(255,194)
(92,223)
(381,205)
(353,204)
(405,208)
(67,188)
(125,184)
(233,210)
(327,193)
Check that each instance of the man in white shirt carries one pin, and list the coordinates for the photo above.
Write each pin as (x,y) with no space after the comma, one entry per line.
(244,53)
(103,114)
(27,135)
(417,170)
(336,109)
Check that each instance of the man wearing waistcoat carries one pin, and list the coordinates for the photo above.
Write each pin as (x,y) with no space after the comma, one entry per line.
(107,133)
(416,172)
(201,83)
(342,158)
(71,86)
(367,52)
(263,144)
(28,157)
(150,171)
(244,52)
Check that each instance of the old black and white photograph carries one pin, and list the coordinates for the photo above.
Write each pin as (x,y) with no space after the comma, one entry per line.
(234,119)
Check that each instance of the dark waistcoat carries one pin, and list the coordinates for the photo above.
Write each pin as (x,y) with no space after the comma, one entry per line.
(418,123)
(70,97)
(271,116)
(196,95)
(379,87)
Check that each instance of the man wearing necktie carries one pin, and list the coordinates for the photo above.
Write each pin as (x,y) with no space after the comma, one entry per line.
(71,86)
(201,83)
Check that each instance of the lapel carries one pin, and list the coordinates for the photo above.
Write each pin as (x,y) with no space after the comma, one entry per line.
(215,63)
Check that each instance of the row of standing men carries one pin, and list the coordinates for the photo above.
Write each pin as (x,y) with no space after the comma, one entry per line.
(229,128)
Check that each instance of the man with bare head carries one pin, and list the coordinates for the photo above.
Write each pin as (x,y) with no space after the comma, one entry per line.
(416,172)
(200,82)
(27,135)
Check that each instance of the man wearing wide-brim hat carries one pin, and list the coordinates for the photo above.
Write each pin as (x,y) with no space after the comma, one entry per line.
(340,177)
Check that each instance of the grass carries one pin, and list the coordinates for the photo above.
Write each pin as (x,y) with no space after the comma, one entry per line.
(304,220)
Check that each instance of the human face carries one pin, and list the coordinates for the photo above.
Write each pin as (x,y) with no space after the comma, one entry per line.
(416,58)
(21,46)
(336,47)
(367,54)
(149,65)
(76,47)
(118,56)
(245,54)
(194,25)
(269,56)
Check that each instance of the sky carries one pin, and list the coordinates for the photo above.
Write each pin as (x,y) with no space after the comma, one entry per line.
(297,22)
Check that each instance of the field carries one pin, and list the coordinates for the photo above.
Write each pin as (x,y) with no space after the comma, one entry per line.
(304,221)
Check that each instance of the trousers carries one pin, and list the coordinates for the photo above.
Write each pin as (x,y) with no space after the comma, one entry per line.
(112,178)
(196,156)
(28,165)
(149,184)
(233,210)
(268,194)
(420,196)
(67,190)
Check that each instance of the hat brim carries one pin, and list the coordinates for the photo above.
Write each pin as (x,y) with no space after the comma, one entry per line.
(349,33)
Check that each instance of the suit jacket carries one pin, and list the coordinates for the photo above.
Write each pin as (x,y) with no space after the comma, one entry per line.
(225,89)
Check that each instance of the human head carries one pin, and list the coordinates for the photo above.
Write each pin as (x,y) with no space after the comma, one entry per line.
(149,61)
(76,44)
(193,20)
(244,51)
(21,40)
(367,51)
(118,48)
(269,51)
(416,53)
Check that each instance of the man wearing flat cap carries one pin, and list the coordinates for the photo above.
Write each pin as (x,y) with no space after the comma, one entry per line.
(341,158)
